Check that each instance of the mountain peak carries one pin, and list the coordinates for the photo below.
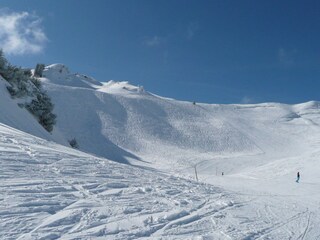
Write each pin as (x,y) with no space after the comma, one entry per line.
(59,73)
(54,70)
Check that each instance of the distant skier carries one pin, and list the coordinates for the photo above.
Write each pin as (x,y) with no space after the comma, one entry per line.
(298,177)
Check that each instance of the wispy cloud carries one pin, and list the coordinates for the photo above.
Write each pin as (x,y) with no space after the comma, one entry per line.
(153,41)
(286,57)
(247,100)
(21,33)
(192,29)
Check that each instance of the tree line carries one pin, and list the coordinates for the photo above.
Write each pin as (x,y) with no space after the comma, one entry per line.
(24,84)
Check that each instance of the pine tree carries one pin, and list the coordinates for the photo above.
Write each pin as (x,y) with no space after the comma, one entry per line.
(3,63)
(39,70)
(23,85)
(41,108)
(73,143)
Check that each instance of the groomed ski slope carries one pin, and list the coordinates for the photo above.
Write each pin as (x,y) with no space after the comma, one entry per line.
(48,191)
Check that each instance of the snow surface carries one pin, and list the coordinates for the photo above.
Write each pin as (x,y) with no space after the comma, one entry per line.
(127,124)
(49,191)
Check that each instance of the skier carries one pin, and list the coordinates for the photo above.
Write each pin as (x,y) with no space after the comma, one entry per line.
(298,177)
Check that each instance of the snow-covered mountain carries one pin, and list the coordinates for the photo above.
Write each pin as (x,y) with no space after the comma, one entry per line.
(128,124)
(51,191)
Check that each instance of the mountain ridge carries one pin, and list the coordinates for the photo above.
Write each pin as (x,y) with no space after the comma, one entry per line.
(126,123)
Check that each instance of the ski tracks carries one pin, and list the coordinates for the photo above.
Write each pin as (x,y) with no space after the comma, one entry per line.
(54,193)
(275,221)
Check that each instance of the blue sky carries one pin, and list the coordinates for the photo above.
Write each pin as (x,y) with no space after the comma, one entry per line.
(205,51)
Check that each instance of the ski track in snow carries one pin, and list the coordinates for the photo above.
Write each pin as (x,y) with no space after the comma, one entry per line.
(57,192)
(53,192)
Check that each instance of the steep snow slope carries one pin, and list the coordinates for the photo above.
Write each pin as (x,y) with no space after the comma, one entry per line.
(117,116)
(48,191)
(17,117)
(126,123)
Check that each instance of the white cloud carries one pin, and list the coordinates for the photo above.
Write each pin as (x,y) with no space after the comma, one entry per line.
(153,41)
(21,33)
(246,100)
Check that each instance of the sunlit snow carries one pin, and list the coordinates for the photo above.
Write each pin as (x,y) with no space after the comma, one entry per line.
(140,154)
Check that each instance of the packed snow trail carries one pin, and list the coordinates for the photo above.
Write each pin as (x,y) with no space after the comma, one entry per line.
(48,191)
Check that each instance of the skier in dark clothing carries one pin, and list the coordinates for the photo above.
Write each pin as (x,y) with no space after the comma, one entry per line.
(298,177)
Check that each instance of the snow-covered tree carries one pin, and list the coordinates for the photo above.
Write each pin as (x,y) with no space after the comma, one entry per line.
(73,143)
(41,108)
(23,85)
(3,62)
(39,70)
